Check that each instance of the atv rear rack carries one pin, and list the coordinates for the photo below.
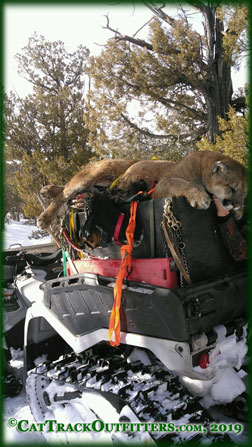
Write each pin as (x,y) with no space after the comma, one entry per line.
(177,325)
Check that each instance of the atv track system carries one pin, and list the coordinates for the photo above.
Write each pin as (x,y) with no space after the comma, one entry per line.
(103,384)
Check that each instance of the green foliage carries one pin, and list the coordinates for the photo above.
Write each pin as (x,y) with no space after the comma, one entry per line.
(45,131)
(235,37)
(233,140)
(134,83)
(160,96)
(13,202)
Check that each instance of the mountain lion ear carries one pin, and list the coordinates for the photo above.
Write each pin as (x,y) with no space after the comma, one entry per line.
(219,166)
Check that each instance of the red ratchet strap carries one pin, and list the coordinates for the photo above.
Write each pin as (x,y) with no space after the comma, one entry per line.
(69,241)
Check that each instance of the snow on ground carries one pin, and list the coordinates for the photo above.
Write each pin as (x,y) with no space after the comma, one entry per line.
(225,359)
(18,408)
(19,232)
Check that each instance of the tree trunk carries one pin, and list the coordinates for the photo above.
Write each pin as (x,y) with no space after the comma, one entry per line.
(220,89)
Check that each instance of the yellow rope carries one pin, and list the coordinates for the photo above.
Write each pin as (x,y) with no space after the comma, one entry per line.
(115,181)
(71,232)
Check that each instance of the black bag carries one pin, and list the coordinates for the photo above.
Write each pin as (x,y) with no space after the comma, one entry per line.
(206,255)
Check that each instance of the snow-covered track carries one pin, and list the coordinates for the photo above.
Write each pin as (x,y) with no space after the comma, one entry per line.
(138,392)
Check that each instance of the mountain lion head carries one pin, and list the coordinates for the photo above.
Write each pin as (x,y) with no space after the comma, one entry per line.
(228,181)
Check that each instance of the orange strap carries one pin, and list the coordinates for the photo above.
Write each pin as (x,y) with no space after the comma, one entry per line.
(151,191)
(126,252)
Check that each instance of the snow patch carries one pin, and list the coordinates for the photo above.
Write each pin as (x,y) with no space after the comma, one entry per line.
(227,383)
(139,354)
(19,233)
(227,387)
(17,358)
(39,360)
(18,407)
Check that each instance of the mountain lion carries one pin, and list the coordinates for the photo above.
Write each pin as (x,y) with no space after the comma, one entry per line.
(200,173)
(193,177)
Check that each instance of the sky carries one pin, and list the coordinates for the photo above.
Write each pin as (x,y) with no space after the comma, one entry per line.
(74,24)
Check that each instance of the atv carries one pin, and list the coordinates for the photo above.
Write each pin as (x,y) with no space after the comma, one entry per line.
(183,304)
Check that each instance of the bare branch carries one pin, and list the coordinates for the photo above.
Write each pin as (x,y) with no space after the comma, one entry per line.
(178,106)
(158,11)
(142,27)
(196,134)
(120,37)
(142,131)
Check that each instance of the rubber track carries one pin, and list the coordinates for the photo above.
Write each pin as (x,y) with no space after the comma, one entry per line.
(151,391)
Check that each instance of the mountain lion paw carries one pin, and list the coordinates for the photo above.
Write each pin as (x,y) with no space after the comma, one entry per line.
(44,220)
(198,198)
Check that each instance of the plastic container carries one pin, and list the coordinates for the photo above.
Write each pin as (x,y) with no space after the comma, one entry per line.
(150,271)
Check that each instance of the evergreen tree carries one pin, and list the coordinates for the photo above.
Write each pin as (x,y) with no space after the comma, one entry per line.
(13,202)
(45,131)
(161,95)
(234,138)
